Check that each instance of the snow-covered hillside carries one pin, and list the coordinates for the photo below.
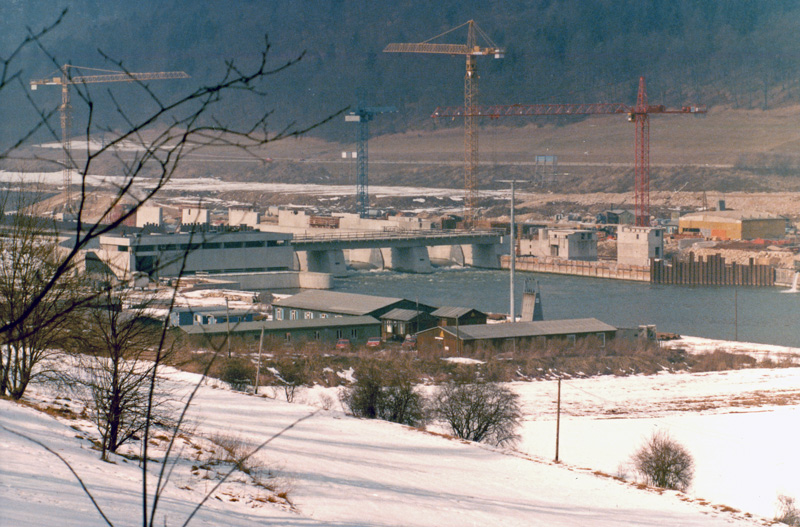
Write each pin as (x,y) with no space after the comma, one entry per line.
(349,472)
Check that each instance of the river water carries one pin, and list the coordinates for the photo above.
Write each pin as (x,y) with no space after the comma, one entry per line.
(765,315)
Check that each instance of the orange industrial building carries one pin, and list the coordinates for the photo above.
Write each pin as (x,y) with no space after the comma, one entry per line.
(734,225)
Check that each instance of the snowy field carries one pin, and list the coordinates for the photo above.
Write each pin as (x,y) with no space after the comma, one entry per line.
(741,427)
(217,185)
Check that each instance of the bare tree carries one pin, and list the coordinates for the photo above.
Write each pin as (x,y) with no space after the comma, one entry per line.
(479,411)
(664,462)
(113,342)
(387,393)
(34,306)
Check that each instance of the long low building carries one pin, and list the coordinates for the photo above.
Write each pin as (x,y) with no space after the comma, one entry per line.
(466,339)
(356,329)
(314,304)
(734,224)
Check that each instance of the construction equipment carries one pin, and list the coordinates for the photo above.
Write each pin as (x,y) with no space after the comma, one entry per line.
(471,50)
(65,79)
(363,115)
(639,114)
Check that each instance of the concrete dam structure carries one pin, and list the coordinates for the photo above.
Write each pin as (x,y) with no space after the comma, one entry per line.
(400,251)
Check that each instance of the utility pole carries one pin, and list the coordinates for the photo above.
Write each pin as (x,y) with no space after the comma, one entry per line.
(558,417)
(736,313)
(260,346)
(228,326)
(512,251)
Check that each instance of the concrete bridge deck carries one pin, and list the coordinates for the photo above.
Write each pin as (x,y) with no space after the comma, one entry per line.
(396,239)
(408,251)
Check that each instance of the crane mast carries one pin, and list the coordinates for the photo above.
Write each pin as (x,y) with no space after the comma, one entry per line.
(362,115)
(65,79)
(471,50)
(638,114)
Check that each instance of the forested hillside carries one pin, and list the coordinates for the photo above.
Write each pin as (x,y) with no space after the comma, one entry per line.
(739,53)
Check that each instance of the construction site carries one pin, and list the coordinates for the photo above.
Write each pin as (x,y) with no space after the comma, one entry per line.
(623,235)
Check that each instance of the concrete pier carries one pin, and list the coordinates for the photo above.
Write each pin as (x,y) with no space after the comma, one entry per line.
(483,255)
(326,261)
(447,253)
(407,259)
(371,257)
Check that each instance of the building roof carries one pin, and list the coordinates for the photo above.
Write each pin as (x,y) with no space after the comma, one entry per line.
(231,312)
(278,325)
(405,315)
(530,329)
(453,312)
(729,216)
(337,302)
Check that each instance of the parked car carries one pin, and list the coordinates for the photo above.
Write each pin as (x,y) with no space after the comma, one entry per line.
(374,342)
(342,344)
(410,342)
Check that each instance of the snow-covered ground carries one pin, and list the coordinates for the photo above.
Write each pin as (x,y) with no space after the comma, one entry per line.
(216,185)
(349,472)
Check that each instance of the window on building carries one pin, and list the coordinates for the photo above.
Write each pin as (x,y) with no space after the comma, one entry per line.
(388,327)
(308,315)
(602,338)
(317,335)
(287,337)
(354,333)
(279,314)
(339,334)
(293,314)
(323,315)
(571,339)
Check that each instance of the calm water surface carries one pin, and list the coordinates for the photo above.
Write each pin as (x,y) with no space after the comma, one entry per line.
(765,315)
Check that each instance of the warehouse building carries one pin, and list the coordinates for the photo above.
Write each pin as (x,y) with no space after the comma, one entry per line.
(733,225)
(328,304)
(326,331)
(467,339)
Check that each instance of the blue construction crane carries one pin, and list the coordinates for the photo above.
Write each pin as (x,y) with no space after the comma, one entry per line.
(363,115)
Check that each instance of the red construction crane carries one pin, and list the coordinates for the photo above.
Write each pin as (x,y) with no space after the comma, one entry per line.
(639,114)
(471,50)
(65,79)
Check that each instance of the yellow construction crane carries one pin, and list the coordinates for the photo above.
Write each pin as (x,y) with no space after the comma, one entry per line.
(65,79)
(471,50)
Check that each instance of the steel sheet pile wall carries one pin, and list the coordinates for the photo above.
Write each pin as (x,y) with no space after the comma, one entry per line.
(711,271)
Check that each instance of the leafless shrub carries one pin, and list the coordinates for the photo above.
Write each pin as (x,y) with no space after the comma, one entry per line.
(663,462)
(720,361)
(479,411)
(238,372)
(292,374)
(384,393)
(787,511)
